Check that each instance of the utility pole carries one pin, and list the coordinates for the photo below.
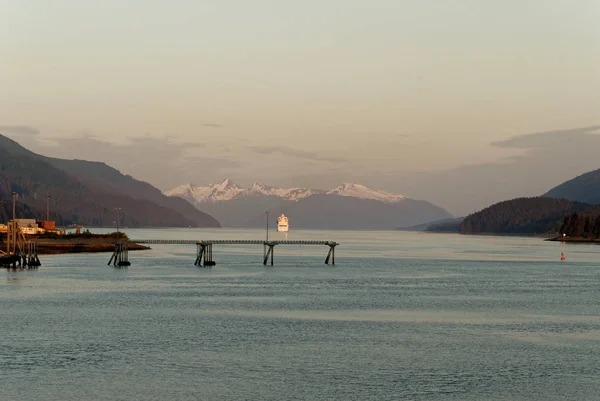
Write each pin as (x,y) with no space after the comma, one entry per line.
(47,207)
(14,205)
(267,212)
(118,218)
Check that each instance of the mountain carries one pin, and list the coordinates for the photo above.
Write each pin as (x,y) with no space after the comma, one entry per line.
(228,190)
(444,225)
(102,177)
(324,211)
(538,215)
(349,206)
(363,192)
(6,210)
(82,197)
(568,207)
(584,188)
(447,226)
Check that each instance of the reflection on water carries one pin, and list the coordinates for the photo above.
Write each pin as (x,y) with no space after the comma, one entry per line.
(15,279)
(401,316)
(414,316)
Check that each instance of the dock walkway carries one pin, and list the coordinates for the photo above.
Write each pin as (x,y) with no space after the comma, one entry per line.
(204,253)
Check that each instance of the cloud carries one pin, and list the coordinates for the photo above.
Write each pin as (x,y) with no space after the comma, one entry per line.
(550,138)
(301,154)
(160,161)
(19,130)
(190,145)
(200,163)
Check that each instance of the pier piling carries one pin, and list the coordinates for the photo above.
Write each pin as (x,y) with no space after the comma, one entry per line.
(204,255)
(120,256)
(270,252)
(331,254)
(20,252)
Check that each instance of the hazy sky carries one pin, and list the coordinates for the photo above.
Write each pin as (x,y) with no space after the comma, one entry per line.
(297,92)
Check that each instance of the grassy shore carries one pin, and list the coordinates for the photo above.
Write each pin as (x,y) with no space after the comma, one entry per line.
(77,243)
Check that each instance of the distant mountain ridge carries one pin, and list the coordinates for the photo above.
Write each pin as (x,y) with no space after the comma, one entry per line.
(584,188)
(227,190)
(349,206)
(105,178)
(87,193)
(572,201)
(444,225)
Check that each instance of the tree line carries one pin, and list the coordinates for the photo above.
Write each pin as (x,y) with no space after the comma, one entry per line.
(582,225)
(536,215)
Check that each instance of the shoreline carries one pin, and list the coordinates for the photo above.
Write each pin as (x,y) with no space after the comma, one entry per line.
(546,237)
(77,245)
(575,240)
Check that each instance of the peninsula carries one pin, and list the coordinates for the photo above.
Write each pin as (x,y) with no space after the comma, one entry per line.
(50,244)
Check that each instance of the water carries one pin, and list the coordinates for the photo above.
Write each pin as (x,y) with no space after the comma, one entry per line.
(401,316)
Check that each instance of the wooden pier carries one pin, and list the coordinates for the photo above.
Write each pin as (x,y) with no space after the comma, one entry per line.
(204,249)
(19,251)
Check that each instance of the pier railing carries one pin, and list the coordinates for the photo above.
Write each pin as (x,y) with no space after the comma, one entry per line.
(204,249)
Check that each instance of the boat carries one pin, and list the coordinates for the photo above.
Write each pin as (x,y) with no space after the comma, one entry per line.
(282,224)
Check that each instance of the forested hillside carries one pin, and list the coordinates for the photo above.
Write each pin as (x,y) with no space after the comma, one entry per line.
(582,225)
(71,200)
(536,215)
(103,178)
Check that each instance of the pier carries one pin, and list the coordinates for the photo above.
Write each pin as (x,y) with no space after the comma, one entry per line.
(19,251)
(204,249)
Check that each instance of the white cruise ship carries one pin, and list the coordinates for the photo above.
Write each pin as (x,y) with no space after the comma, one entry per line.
(282,224)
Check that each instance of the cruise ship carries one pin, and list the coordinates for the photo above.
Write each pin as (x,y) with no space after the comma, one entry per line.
(282,224)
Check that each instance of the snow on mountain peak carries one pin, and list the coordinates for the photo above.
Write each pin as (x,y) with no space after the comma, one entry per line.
(227,190)
(181,190)
(225,184)
(223,190)
(258,186)
(364,192)
(284,193)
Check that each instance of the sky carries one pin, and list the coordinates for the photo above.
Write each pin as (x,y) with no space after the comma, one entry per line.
(460,103)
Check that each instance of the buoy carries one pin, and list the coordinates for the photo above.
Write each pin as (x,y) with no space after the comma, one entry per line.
(562,256)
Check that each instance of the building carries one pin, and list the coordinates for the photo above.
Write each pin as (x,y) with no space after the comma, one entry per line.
(33,226)
(27,222)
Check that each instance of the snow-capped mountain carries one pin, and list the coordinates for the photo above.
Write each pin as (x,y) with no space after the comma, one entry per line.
(220,191)
(228,190)
(283,193)
(363,192)
(349,206)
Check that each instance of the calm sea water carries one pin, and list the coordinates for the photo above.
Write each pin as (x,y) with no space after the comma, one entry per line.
(401,316)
